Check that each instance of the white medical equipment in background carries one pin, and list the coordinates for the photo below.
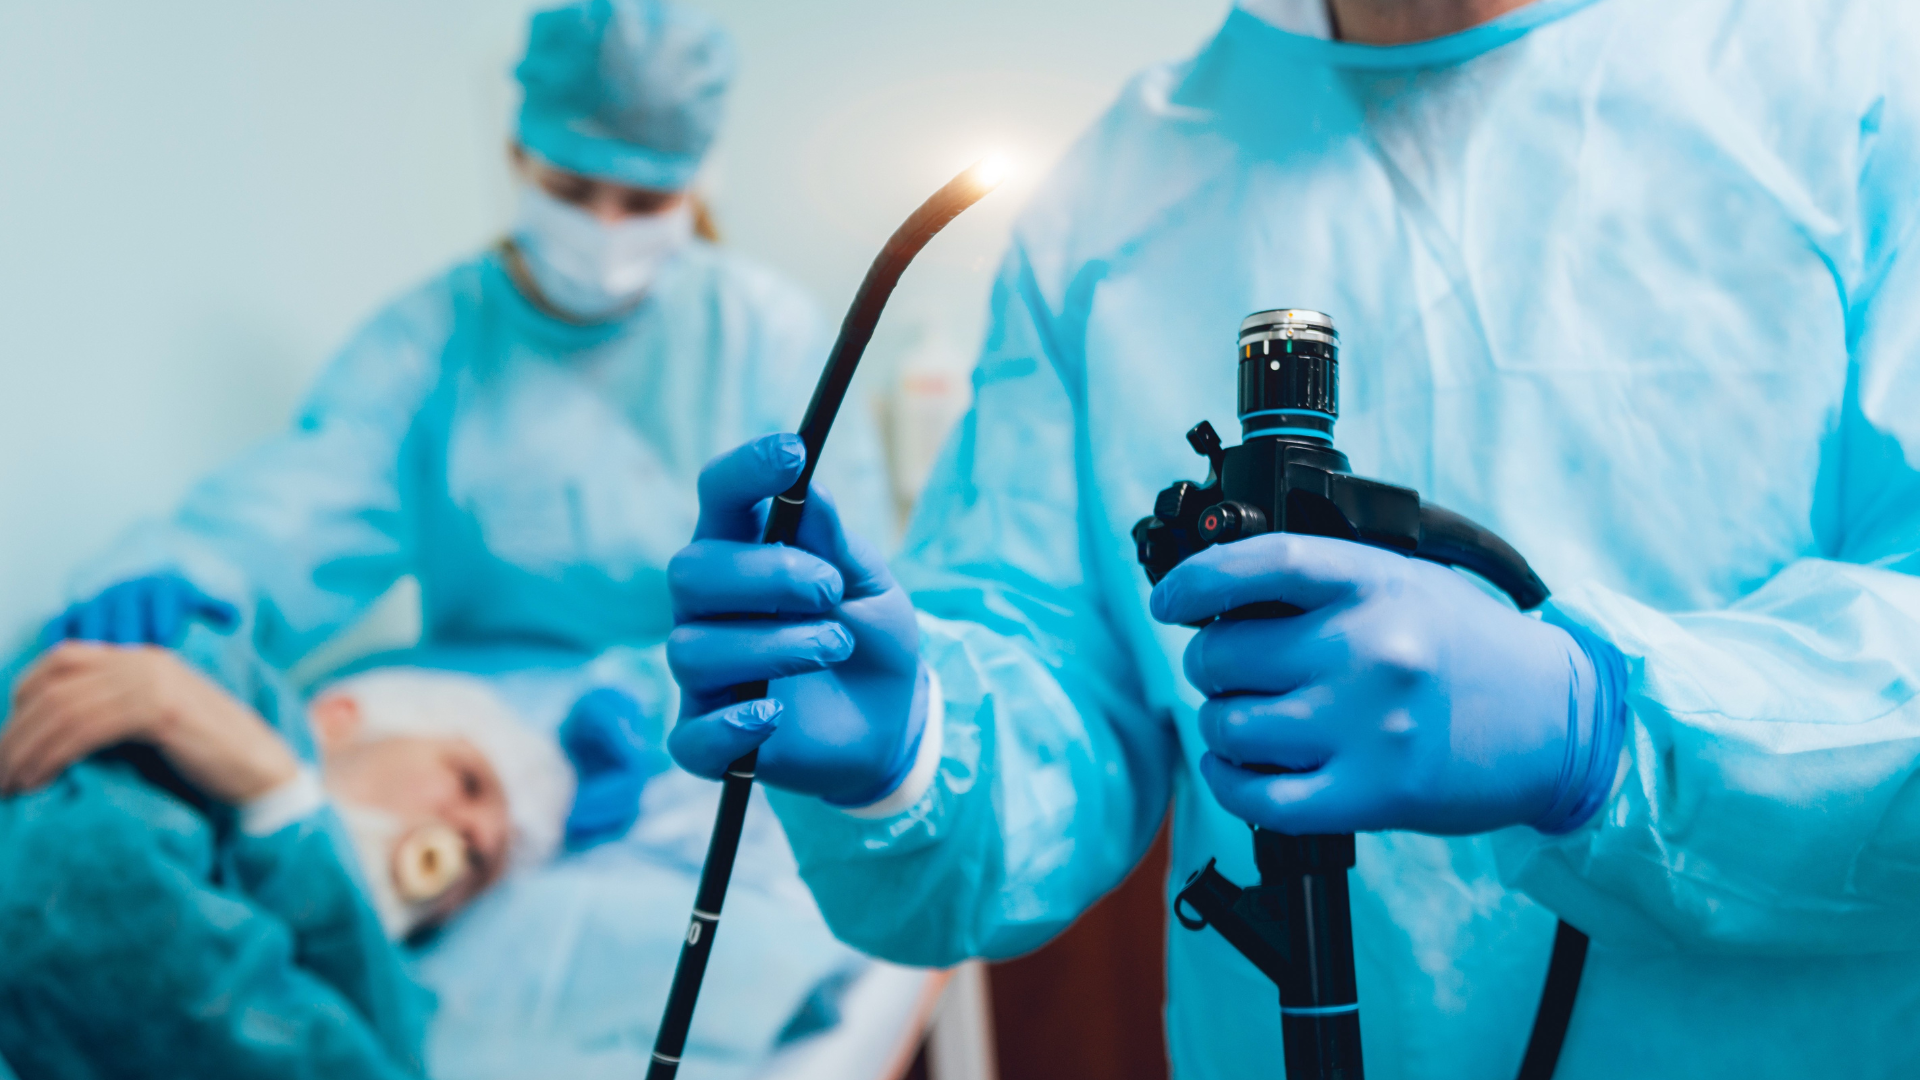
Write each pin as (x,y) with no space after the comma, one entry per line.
(930,390)
(885,1013)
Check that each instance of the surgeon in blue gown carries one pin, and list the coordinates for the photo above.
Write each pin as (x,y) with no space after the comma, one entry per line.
(521,433)
(1635,283)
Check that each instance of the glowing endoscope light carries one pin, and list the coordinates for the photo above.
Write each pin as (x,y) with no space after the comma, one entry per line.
(990,170)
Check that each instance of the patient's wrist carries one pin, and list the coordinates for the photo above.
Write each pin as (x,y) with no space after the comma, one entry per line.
(227,751)
(290,802)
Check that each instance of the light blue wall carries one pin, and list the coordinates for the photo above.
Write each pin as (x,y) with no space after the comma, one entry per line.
(198,201)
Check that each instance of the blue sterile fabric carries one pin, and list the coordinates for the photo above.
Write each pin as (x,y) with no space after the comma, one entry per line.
(143,931)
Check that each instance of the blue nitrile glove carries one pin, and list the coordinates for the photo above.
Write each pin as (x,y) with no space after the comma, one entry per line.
(152,610)
(601,736)
(823,619)
(1403,697)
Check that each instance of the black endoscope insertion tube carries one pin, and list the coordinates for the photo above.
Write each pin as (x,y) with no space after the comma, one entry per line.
(783,522)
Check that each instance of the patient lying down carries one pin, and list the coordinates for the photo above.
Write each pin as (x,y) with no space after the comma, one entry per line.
(182,894)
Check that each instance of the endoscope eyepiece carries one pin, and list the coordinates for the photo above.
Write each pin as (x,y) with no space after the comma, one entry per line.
(1300,323)
(1289,375)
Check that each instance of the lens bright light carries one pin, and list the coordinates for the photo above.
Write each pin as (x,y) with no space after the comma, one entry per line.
(991,170)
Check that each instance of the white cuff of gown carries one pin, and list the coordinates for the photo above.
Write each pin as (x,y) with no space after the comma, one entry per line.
(926,761)
(296,800)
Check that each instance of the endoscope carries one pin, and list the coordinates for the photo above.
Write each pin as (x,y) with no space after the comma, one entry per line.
(783,523)
(1296,926)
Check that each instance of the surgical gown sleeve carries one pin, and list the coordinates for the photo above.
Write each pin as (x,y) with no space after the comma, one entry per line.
(127,952)
(304,532)
(1768,799)
(1053,779)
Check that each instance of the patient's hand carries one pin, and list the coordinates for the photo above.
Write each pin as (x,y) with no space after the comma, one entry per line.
(83,697)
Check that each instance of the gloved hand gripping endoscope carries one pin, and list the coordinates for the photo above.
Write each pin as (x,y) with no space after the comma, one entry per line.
(1285,476)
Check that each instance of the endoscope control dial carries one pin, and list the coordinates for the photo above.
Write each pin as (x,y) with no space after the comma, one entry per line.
(1223,523)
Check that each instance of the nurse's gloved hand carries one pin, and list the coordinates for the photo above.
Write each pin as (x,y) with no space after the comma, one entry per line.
(612,761)
(153,610)
(1402,697)
(822,619)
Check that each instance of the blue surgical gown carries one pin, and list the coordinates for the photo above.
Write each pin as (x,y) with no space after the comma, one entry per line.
(534,475)
(1633,282)
(142,933)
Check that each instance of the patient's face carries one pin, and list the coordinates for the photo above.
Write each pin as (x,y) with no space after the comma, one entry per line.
(423,780)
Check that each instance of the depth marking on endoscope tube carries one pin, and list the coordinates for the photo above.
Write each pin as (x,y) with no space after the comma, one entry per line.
(693,927)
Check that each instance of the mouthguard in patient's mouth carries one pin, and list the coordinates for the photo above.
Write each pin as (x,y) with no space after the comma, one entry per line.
(427,862)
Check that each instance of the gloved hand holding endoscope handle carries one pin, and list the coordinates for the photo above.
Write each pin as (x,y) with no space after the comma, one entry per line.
(783,527)
(1282,615)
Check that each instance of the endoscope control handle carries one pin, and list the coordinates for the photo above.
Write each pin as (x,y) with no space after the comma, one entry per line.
(1206,442)
(1454,540)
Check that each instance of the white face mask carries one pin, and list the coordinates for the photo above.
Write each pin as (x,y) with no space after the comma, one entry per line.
(407,870)
(589,269)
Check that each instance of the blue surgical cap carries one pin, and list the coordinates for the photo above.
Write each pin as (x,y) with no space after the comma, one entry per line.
(624,90)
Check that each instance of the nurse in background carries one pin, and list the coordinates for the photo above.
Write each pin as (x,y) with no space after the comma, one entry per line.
(522,433)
